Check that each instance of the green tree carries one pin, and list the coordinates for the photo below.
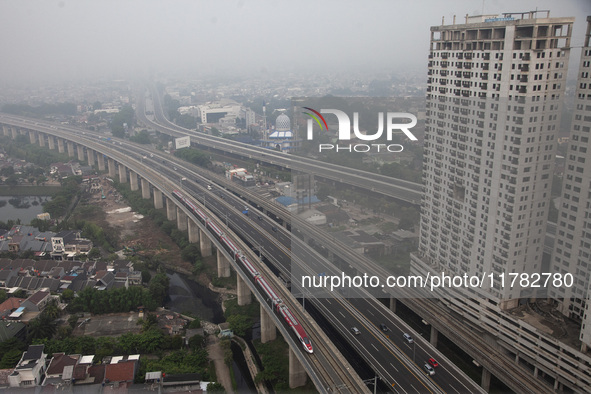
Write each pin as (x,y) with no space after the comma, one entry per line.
(12,180)
(141,138)
(149,321)
(191,253)
(67,295)
(215,387)
(10,358)
(196,342)
(94,253)
(3,296)
(64,332)
(159,287)
(20,294)
(73,320)
(146,276)
(51,311)
(12,343)
(41,328)
(186,121)
(125,116)
(240,324)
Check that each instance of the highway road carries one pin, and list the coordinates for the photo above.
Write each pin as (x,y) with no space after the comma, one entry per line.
(397,188)
(389,357)
(326,367)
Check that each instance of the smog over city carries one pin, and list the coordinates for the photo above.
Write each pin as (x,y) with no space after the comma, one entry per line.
(324,196)
(71,40)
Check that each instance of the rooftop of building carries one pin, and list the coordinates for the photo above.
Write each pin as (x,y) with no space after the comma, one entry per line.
(514,18)
(38,297)
(34,352)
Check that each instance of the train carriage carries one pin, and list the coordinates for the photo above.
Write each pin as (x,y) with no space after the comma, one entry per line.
(296,327)
(268,290)
(215,229)
(249,267)
(230,245)
(272,296)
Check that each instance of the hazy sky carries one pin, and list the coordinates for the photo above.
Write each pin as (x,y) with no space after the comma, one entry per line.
(83,38)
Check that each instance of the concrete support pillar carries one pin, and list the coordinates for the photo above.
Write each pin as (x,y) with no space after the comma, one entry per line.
(5,131)
(268,331)
(557,385)
(133,181)
(112,169)
(223,266)
(181,219)
(14,132)
(90,154)
(41,139)
(70,145)
(145,189)
(80,151)
(204,244)
(244,294)
(297,373)
(170,210)
(434,334)
(158,202)
(193,231)
(485,383)
(122,173)
(393,304)
(60,145)
(101,161)
(51,141)
(536,370)
(32,136)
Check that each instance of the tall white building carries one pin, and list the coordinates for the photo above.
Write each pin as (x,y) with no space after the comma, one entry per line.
(495,92)
(572,248)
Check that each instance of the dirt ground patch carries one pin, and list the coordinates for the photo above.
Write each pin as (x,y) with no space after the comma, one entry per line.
(137,233)
(111,325)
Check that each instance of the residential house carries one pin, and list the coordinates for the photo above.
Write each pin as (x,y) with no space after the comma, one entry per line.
(67,244)
(12,329)
(37,302)
(10,305)
(26,238)
(121,371)
(30,368)
(55,369)
(104,280)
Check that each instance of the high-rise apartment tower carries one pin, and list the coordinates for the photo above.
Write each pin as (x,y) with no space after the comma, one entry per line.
(495,91)
(572,247)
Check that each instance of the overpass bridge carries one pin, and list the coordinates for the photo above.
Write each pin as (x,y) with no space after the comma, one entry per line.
(518,354)
(409,192)
(395,352)
(326,367)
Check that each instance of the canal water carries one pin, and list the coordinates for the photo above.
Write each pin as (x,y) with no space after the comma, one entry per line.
(244,382)
(25,208)
(189,296)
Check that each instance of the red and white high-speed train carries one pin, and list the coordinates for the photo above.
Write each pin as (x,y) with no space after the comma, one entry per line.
(280,308)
